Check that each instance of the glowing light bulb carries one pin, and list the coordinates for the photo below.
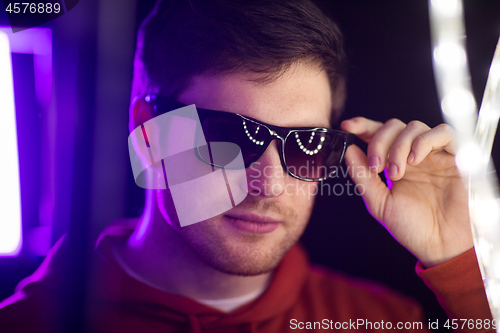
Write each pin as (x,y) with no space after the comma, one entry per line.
(487,212)
(450,54)
(469,158)
(459,102)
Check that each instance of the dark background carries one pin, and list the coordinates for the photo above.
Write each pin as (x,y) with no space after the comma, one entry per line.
(389,48)
(390,75)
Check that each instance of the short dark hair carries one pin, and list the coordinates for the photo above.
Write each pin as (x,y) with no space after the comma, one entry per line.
(184,38)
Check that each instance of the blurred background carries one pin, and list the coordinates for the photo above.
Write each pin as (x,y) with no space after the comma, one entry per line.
(72,91)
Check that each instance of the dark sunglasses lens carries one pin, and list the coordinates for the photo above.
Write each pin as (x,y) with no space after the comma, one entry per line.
(223,127)
(313,155)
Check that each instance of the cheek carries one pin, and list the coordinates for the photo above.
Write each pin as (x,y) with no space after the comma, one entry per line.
(302,195)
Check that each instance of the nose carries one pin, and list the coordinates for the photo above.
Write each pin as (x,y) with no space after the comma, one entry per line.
(266,176)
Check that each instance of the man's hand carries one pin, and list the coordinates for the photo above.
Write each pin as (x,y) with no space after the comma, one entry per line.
(426,208)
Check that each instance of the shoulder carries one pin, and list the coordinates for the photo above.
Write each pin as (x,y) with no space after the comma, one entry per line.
(47,300)
(39,298)
(355,297)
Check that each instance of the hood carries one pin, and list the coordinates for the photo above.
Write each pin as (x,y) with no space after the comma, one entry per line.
(111,285)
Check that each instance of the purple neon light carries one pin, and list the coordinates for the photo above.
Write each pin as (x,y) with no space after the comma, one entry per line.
(38,42)
(10,193)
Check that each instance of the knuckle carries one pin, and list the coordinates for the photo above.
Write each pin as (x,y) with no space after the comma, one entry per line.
(396,152)
(445,128)
(359,118)
(420,142)
(376,148)
(415,124)
(394,122)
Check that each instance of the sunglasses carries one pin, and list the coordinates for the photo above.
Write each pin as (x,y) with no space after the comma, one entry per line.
(306,153)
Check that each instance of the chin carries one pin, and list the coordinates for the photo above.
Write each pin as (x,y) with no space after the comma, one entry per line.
(242,265)
(244,255)
(232,250)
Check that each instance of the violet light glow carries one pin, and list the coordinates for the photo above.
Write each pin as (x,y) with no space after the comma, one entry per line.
(10,196)
(38,42)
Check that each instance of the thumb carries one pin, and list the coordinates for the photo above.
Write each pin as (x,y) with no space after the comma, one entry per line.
(375,191)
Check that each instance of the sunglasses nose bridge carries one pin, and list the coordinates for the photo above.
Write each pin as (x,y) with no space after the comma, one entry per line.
(275,136)
(281,146)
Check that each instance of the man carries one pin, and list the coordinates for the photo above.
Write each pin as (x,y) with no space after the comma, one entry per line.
(280,66)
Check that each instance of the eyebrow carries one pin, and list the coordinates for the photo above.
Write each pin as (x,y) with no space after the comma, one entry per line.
(165,104)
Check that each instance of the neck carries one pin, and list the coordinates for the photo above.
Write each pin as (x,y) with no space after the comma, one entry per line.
(157,256)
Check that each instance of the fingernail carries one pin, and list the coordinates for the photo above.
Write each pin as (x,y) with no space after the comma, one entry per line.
(373,162)
(411,157)
(393,170)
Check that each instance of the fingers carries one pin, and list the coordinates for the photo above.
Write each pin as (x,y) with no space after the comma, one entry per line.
(394,144)
(401,149)
(381,143)
(376,191)
(364,128)
(440,137)
(380,137)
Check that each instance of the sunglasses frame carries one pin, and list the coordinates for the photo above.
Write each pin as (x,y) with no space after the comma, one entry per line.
(162,104)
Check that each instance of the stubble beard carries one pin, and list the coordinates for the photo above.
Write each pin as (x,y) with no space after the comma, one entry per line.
(252,257)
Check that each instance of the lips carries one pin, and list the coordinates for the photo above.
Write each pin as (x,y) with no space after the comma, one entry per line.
(253,223)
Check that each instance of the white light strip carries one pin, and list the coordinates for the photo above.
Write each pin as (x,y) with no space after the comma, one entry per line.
(451,67)
(474,142)
(489,114)
(10,194)
(484,196)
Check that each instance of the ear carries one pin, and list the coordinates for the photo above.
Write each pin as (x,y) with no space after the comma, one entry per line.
(140,112)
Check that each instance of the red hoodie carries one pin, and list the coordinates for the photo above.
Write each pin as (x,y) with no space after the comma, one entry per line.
(298,297)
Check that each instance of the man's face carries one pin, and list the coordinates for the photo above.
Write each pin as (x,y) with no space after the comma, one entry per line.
(252,238)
